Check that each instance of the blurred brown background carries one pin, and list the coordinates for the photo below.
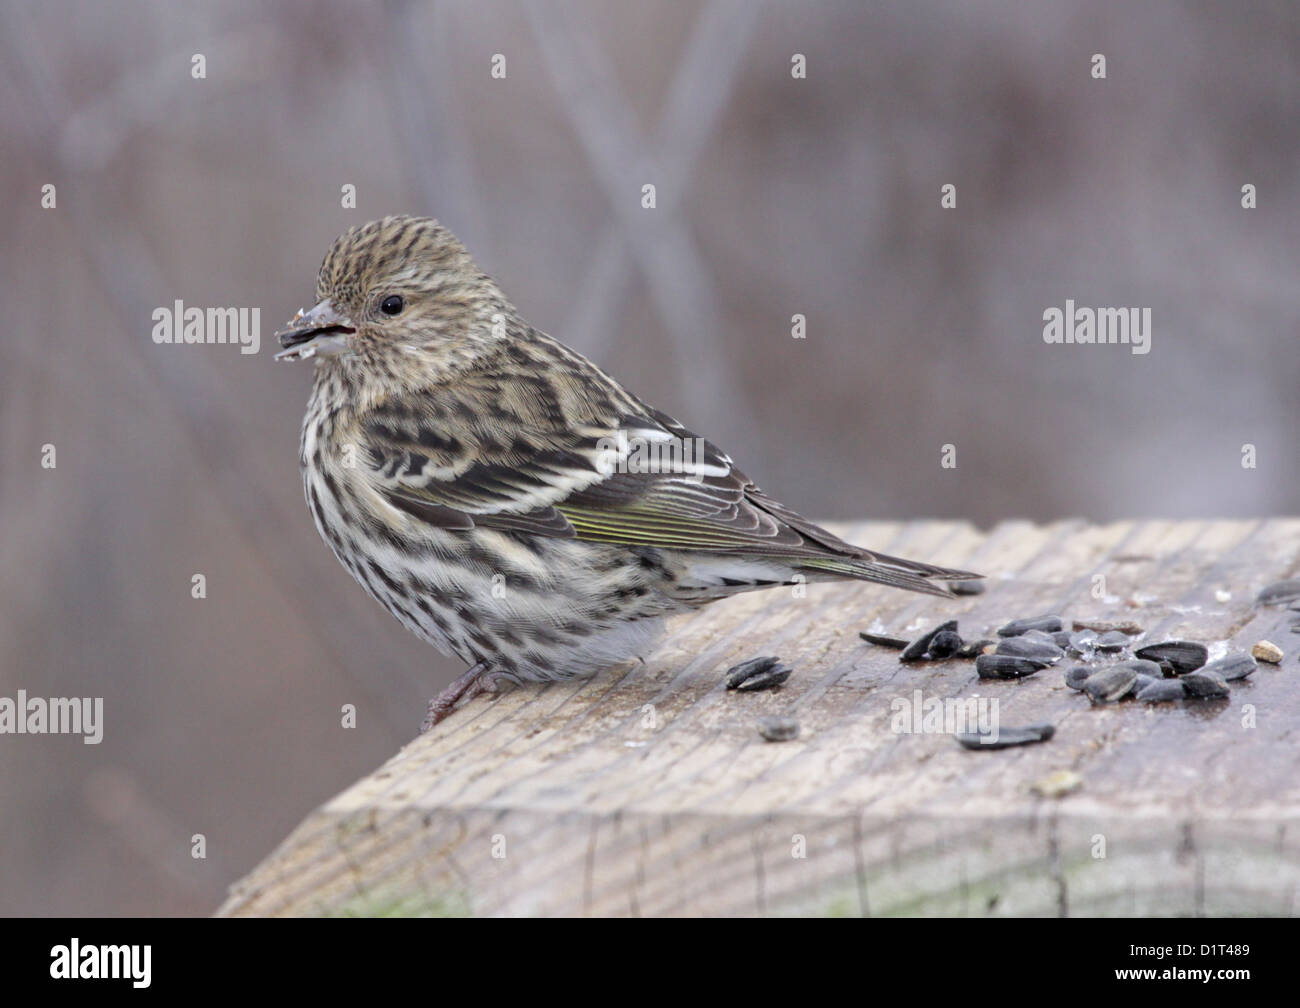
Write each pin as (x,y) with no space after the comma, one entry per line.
(775,196)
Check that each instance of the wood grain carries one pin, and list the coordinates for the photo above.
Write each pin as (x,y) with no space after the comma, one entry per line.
(648,791)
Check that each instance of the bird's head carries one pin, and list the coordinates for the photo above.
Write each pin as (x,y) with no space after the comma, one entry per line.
(399,304)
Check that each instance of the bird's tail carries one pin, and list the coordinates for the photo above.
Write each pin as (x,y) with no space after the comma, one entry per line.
(889,570)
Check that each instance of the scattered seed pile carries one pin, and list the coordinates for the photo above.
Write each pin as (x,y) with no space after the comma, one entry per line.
(1164,672)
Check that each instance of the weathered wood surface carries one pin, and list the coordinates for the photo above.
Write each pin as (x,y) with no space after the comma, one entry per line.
(649,791)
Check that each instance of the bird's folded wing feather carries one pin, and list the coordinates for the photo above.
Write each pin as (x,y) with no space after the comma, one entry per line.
(577,481)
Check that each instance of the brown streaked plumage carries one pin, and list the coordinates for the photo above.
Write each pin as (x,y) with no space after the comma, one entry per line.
(503,497)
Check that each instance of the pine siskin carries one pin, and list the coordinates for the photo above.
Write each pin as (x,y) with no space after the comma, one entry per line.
(505,499)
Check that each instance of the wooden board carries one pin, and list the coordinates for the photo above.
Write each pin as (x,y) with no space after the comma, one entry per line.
(648,791)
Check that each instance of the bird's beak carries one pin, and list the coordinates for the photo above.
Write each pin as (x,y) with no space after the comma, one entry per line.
(322,330)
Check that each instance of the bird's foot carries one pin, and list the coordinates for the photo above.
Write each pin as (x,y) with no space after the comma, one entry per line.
(476,679)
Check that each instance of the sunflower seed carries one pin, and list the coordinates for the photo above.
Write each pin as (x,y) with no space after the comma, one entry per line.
(1160,690)
(778,728)
(883,641)
(943,645)
(1020,647)
(1076,677)
(1204,684)
(1112,640)
(1015,628)
(737,674)
(1109,626)
(1143,667)
(1062,639)
(1232,667)
(1036,635)
(1183,656)
(1279,592)
(1004,738)
(916,651)
(996,666)
(1143,681)
(768,679)
(1110,684)
(967,587)
(1268,651)
(1058,784)
(976,647)
(1083,643)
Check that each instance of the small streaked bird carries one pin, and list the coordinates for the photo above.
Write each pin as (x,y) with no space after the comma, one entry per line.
(502,496)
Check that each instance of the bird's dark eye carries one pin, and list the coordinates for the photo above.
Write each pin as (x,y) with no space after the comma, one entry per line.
(392,304)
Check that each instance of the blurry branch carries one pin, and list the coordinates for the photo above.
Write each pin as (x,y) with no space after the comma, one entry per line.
(698,95)
(92,135)
(127,272)
(435,148)
(659,239)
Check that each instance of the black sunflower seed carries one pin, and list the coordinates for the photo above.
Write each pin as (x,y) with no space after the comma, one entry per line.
(917,650)
(1232,667)
(1182,656)
(1076,677)
(1004,738)
(997,666)
(1204,685)
(1083,643)
(943,645)
(1160,690)
(1110,684)
(1279,592)
(1021,647)
(1112,640)
(967,587)
(1036,635)
(883,641)
(768,679)
(1049,624)
(1144,667)
(737,674)
(975,647)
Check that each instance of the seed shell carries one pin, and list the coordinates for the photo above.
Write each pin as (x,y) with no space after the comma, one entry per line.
(1015,628)
(943,645)
(883,641)
(1232,667)
(1183,656)
(1076,677)
(737,674)
(996,666)
(1112,640)
(778,728)
(1204,685)
(1109,685)
(768,679)
(918,649)
(1160,690)
(1279,592)
(1004,738)
(1020,647)
(977,647)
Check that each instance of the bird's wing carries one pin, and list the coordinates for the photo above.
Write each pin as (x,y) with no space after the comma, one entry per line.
(643,481)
